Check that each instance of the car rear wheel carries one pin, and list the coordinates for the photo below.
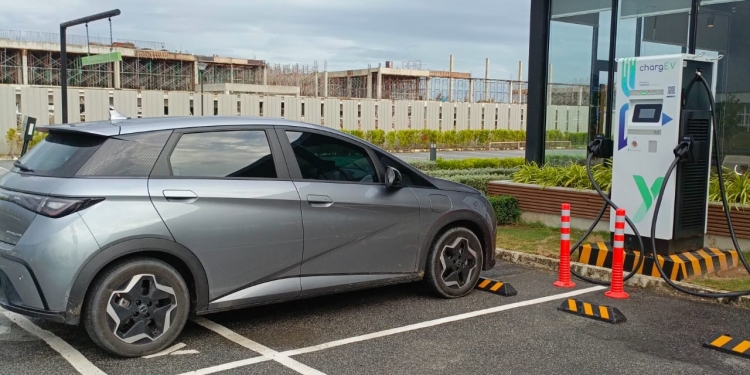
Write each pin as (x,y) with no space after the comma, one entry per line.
(454,263)
(137,307)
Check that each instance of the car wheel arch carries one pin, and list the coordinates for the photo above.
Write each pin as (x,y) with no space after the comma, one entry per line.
(187,263)
(469,219)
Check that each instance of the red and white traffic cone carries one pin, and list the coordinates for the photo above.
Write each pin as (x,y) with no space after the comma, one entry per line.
(616,288)
(563,277)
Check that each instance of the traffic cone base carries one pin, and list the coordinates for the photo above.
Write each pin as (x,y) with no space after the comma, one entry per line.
(564,284)
(616,295)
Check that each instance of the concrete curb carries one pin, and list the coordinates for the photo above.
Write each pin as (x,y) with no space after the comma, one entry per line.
(637,281)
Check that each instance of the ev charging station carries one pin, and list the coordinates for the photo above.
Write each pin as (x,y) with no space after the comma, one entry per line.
(659,105)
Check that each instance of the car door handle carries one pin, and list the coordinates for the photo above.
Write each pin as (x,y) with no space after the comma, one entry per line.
(319,200)
(180,195)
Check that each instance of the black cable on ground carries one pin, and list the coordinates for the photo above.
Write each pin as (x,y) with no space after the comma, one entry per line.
(607,203)
(722,188)
(653,244)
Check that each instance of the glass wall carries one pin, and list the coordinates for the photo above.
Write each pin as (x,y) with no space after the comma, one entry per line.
(577,72)
(723,29)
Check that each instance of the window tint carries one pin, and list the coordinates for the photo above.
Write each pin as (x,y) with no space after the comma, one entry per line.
(410,178)
(61,154)
(236,154)
(327,158)
(130,155)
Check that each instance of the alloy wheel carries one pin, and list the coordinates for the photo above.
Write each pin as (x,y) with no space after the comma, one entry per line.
(459,262)
(141,309)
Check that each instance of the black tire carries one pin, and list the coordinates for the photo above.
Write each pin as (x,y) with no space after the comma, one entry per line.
(447,245)
(143,275)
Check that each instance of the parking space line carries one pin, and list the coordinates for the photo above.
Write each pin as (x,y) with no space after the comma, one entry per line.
(445,320)
(166,351)
(70,354)
(254,346)
(369,336)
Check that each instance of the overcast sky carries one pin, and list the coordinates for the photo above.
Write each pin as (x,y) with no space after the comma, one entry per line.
(348,34)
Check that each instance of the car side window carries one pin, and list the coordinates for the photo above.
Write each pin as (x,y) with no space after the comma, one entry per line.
(410,179)
(326,158)
(228,154)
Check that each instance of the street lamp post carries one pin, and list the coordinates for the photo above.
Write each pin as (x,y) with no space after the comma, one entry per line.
(201,67)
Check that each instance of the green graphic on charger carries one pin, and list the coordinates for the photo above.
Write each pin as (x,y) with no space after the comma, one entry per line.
(647,194)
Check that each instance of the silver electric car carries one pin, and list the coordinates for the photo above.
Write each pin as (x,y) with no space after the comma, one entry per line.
(130,226)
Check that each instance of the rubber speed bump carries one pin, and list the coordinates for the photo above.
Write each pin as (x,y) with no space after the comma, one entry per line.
(590,310)
(496,287)
(729,345)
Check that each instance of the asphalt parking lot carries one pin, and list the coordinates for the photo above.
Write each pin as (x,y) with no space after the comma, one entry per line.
(404,330)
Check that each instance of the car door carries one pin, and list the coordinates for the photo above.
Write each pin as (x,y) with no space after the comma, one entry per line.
(355,229)
(226,195)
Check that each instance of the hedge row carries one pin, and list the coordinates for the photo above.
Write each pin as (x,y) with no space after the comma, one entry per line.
(421,139)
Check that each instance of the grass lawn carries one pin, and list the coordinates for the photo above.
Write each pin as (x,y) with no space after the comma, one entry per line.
(539,239)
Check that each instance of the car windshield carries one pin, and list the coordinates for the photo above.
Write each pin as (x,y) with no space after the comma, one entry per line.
(60,154)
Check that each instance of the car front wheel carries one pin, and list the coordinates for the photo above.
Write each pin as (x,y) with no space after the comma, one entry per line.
(454,263)
(137,307)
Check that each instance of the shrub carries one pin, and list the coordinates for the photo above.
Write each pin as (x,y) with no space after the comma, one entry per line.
(571,176)
(478,182)
(472,163)
(14,137)
(506,209)
(376,137)
(502,173)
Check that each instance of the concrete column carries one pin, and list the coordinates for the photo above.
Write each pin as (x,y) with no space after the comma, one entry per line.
(349,86)
(317,85)
(471,90)
(196,77)
(379,89)
(231,73)
(450,82)
(118,74)
(24,67)
(265,75)
(325,84)
(487,79)
(369,84)
(427,89)
(520,81)
(510,94)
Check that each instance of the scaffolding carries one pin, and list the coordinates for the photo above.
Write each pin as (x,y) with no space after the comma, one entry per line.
(10,66)
(44,69)
(222,73)
(404,88)
(569,94)
(303,76)
(348,87)
(155,74)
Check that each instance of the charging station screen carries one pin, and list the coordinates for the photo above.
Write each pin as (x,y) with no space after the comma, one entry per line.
(650,113)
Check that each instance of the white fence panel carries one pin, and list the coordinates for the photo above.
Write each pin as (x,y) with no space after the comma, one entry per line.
(272,106)
(448,120)
(462,116)
(332,108)
(417,115)
(503,116)
(433,115)
(475,116)
(552,111)
(583,119)
(401,119)
(368,115)
(515,117)
(35,103)
(96,104)
(227,105)
(523,116)
(74,106)
(7,113)
(178,103)
(204,104)
(152,103)
(292,108)
(126,103)
(351,114)
(249,105)
(385,115)
(312,110)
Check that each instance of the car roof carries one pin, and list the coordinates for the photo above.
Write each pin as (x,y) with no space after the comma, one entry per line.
(140,125)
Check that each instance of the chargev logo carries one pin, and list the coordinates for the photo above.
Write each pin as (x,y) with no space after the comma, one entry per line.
(648,194)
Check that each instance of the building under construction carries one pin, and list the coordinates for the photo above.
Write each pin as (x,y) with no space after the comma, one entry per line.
(33,58)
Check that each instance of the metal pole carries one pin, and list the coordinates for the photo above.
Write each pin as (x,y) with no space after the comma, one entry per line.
(611,68)
(64,54)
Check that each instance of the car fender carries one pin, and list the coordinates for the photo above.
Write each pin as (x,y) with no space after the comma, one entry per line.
(131,246)
(455,216)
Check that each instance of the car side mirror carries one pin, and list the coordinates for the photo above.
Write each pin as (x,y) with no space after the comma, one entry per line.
(393,178)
